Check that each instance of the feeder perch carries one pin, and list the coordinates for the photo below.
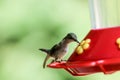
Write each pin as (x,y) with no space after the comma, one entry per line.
(99,51)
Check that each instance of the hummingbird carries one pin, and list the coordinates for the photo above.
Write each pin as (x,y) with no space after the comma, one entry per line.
(58,51)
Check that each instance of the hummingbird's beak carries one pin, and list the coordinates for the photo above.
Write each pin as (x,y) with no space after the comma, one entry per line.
(76,40)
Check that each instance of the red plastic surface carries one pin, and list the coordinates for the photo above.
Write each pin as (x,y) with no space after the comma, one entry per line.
(103,54)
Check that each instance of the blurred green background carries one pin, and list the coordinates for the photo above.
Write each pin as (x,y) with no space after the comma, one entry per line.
(27,25)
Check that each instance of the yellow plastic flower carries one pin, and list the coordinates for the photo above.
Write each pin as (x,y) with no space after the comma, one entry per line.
(118,42)
(85,44)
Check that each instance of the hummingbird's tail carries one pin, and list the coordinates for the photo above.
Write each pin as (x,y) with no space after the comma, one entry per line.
(45,50)
(44,63)
(47,57)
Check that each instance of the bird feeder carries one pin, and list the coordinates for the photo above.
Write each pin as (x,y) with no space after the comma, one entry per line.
(99,51)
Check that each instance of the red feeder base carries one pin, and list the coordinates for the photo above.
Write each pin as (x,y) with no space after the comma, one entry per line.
(100,54)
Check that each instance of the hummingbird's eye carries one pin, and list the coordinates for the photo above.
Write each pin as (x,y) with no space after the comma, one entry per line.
(70,37)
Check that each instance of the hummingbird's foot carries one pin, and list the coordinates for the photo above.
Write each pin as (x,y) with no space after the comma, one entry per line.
(58,60)
(63,60)
(53,61)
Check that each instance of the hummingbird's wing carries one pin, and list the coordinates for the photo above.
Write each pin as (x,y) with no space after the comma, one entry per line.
(56,47)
